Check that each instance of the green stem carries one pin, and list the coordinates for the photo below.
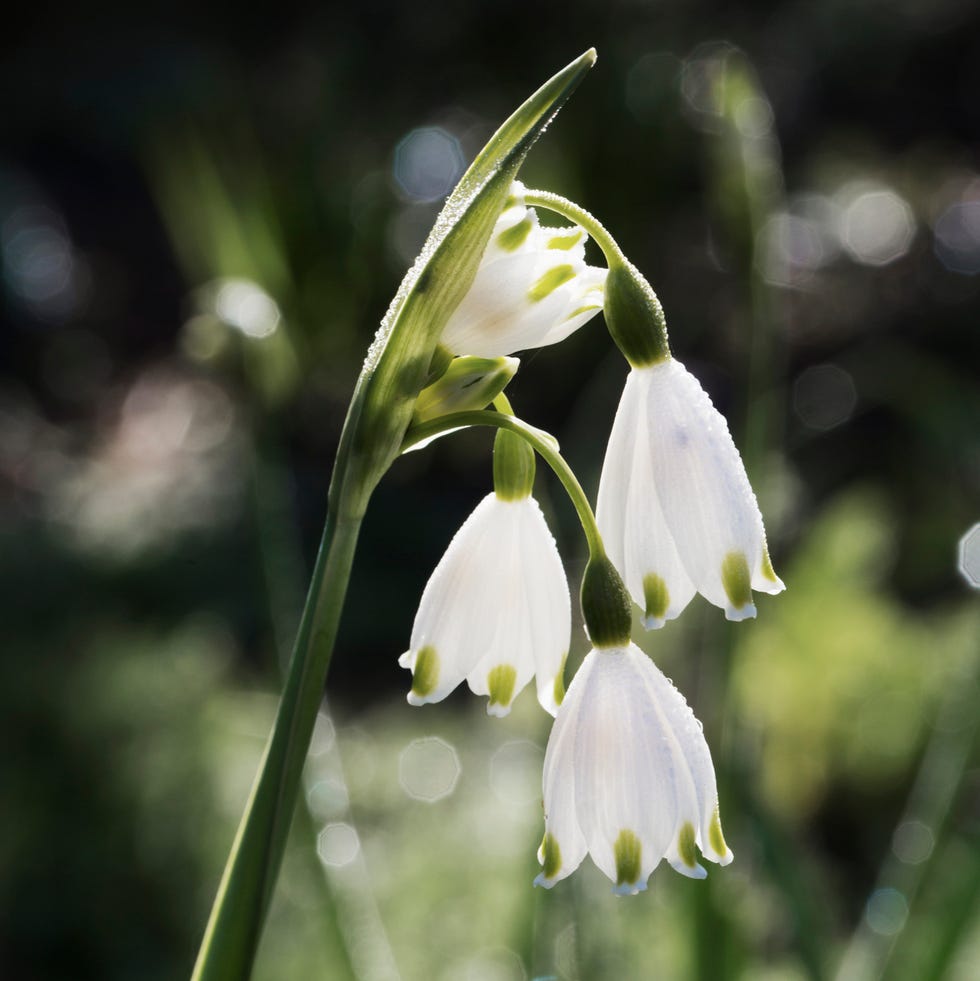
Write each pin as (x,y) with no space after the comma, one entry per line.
(543,443)
(233,930)
(633,314)
(573,212)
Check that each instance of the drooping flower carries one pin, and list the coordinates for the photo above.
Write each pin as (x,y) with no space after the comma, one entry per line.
(532,288)
(628,777)
(675,508)
(496,611)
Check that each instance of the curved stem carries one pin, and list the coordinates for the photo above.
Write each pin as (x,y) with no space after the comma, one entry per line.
(544,445)
(573,212)
(633,313)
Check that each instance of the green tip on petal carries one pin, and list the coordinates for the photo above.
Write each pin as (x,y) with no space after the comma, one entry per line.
(549,282)
(655,596)
(500,684)
(715,837)
(736,579)
(768,572)
(425,677)
(511,239)
(627,850)
(550,856)
(565,242)
(559,689)
(686,845)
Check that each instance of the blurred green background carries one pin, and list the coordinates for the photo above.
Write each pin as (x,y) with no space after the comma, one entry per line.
(203,215)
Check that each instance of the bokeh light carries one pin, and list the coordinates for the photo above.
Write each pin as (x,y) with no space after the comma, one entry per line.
(824,396)
(886,912)
(968,556)
(957,237)
(515,771)
(428,769)
(243,304)
(913,842)
(39,262)
(428,162)
(877,225)
(337,845)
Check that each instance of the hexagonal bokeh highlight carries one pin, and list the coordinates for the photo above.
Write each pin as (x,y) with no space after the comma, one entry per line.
(428,769)
(428,162)
(337,845)
(968,561)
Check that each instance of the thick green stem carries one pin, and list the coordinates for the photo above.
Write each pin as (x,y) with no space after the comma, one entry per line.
(543,444)
(234,927)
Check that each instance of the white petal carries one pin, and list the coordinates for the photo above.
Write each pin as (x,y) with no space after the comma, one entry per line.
(564,843)
(549,604)
(532,288)
(460,606)
(704,491)
(630,518)
(628,774)
(495,611)
(617,746)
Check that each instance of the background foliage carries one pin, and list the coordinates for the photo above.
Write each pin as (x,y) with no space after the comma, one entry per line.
(203,214)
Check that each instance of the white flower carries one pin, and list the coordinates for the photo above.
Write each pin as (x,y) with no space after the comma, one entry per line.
(675,509)
(496,611)
(532,288)
(627,777)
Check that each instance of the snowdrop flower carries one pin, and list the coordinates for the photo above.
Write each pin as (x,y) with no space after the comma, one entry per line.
(675,508)
(496,611)
(628,777)
(532,288)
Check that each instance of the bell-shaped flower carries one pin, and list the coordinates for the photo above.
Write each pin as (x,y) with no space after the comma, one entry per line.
(675,508)
(532,288)
(628,777)
(496,611)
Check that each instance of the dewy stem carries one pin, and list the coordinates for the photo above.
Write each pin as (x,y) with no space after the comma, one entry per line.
(573,212)
(634,316)
(540,441)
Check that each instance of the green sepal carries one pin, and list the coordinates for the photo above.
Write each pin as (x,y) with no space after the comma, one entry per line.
(397,364)
(513,467)
(468,383)
(634,315)
(606,605)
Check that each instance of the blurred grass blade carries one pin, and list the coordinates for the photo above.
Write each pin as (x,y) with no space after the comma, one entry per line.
(380,412)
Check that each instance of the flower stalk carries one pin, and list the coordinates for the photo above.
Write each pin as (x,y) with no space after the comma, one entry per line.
(395,371)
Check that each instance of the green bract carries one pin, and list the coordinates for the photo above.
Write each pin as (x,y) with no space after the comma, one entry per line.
(468,383)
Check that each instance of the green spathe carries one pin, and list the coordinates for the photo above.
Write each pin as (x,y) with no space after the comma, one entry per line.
(398,361)
(395,371)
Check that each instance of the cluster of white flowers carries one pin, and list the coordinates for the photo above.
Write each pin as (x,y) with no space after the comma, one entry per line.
(628,775)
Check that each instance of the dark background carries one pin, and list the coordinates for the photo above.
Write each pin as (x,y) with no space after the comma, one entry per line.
(800,182)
